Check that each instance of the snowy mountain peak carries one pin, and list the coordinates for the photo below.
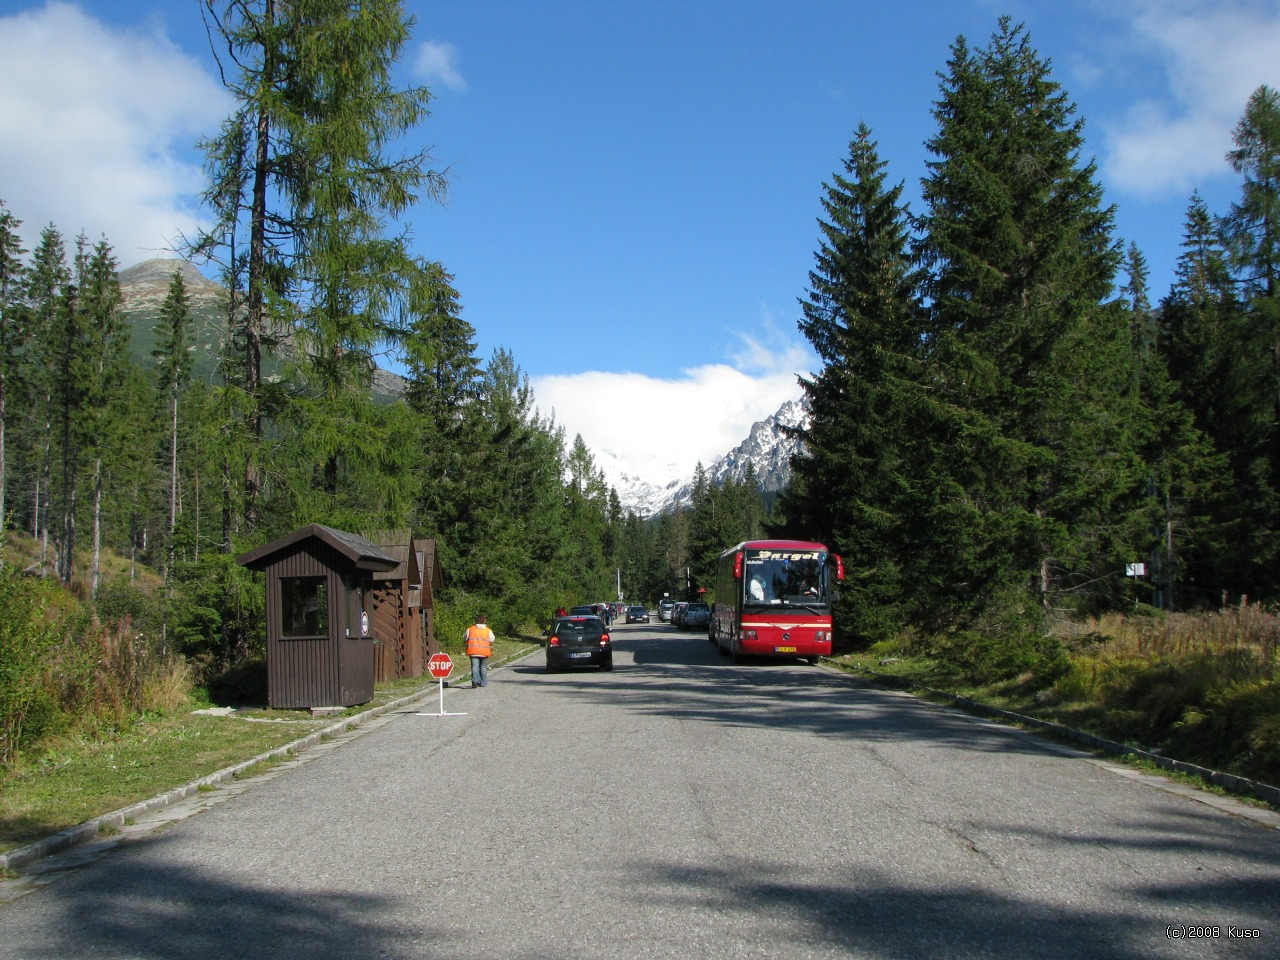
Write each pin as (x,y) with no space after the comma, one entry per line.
(766,447)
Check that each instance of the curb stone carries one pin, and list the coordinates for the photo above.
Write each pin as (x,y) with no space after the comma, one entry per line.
(114,821)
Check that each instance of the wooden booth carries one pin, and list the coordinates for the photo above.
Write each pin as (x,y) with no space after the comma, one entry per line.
(400,604)
(320,646)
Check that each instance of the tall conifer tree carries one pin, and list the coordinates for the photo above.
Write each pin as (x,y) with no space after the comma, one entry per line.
(304,168)
(864,319)
(1034,446)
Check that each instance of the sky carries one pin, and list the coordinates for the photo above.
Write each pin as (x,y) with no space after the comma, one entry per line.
(635,188)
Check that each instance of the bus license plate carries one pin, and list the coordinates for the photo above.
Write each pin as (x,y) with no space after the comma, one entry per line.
(784,649)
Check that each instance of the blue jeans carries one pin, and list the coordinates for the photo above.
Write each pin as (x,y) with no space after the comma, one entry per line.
(479,671)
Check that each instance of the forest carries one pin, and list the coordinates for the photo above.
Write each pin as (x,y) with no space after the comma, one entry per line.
(1006,420)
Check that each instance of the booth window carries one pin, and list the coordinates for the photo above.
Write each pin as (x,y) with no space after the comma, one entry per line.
(304,607)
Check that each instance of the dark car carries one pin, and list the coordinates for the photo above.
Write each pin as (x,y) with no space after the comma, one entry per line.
(637,615)
(579,642)
(695,616)
(583,612)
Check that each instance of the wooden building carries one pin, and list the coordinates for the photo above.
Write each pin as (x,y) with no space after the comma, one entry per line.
(320,645)
(400,605)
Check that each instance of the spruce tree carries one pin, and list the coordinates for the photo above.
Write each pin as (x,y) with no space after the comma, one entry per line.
(47,282)
(864,319)
(14,332)
(173,331)
(1252,231)
(1201,338)
(1033,450)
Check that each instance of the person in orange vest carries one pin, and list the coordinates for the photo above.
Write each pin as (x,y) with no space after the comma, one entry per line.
(479,649)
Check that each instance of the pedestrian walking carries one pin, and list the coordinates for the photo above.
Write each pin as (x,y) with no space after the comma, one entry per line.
(479,649)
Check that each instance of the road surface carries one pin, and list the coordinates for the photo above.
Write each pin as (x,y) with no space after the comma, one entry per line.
(680,806)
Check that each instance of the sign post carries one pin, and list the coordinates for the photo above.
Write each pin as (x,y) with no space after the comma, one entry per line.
(440,666)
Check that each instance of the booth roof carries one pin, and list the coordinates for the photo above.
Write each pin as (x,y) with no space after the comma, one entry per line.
(362,554)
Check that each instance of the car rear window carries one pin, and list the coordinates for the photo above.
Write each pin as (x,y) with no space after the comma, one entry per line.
(585,628)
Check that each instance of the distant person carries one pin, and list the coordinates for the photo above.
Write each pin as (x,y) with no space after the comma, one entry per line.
(479,649)
(561,612)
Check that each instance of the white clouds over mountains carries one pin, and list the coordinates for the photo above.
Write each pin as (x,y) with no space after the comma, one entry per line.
(655,424)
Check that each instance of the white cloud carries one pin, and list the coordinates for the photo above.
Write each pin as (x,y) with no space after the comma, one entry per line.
(96,130)
(662,428)
(439,61)
(1216,52)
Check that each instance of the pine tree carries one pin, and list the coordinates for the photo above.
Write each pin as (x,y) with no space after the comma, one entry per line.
(173,331)
(1252,231)
(103,432)
(1033,452)
(46,295)
(864,319)
(14,333)
(1201,336)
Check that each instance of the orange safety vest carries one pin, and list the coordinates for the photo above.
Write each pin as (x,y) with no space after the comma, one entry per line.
(479,641)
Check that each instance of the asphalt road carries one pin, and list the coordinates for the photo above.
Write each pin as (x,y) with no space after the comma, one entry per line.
(680,806)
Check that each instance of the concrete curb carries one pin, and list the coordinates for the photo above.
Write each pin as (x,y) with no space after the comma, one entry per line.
(1241,786)
(112,822)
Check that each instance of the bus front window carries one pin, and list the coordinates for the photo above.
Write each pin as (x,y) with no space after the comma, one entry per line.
(776,578)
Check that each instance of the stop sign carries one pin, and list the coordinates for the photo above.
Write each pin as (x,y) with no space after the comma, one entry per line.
(440,665)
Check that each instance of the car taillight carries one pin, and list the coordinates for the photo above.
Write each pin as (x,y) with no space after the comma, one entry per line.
(604,639)
(554,640)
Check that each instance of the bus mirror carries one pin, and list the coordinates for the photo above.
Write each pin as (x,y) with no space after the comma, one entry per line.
(839,567)
(737,565)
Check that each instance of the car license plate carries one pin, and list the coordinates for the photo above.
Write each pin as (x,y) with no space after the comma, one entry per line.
(784,649)
(579,656)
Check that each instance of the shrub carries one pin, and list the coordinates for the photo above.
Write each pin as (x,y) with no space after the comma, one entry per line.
(35,618)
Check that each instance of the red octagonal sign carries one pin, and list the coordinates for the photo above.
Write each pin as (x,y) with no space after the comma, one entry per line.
(440,665)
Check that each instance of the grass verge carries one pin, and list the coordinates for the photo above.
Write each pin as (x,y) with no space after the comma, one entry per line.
(69,781)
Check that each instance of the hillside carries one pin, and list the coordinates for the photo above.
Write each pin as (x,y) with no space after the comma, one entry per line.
(145,287)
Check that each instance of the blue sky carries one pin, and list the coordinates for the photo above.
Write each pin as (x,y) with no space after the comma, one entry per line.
(635,186)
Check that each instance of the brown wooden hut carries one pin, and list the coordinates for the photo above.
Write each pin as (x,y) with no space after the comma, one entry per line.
(432,581)
(400,605)
(320,649)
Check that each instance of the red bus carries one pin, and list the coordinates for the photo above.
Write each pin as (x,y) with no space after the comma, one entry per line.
(773,599)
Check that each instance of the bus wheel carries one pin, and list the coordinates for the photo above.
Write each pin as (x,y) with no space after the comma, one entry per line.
(813,660)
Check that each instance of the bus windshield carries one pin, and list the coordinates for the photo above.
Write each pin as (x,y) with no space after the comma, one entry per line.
(785,578)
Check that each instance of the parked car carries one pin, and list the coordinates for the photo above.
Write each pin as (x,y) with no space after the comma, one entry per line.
(677,612)
(587,611)
(579,642)
(696,616)
(664,610)
(637,615)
